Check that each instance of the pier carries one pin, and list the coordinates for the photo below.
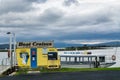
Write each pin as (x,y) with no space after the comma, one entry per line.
(6,68)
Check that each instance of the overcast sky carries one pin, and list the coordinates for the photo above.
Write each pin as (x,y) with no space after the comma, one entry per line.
(70,21)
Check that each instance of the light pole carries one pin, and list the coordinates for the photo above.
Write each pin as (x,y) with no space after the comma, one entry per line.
(13,59)
(10,48)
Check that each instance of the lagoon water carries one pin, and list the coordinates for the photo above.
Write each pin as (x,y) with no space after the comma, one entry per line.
(107,52)
(4,58)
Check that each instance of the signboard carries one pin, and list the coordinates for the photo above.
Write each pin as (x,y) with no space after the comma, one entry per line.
(34,44)
(73,52)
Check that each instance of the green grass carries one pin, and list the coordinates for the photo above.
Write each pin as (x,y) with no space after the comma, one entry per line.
(22,71)
(44,70)
(78,69)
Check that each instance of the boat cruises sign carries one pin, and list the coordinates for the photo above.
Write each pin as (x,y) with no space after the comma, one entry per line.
(34,44)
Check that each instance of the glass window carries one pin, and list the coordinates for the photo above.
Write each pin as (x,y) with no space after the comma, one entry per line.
(52,55)
(44,50)
(102,59)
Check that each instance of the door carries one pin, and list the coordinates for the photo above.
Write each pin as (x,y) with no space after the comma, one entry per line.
(33,58)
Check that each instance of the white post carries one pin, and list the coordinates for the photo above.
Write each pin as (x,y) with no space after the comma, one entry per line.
(15,60)
(10,48)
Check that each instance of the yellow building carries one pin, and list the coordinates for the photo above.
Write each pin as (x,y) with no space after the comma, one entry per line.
(37,54)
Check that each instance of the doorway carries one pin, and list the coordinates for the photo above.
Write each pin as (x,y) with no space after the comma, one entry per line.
(33,52)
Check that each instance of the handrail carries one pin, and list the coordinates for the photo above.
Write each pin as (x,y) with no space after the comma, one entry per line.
(5,62)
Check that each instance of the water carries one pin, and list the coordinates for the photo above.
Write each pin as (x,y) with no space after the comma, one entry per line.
(3,58)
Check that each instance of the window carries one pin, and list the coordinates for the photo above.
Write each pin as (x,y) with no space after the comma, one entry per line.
(102,59)
(44,50)
(52,55)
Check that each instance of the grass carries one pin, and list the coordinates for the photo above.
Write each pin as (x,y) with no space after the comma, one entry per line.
(78,69)
(44,70)
(22,71)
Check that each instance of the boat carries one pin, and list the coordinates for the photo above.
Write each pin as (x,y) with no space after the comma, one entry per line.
(88,58)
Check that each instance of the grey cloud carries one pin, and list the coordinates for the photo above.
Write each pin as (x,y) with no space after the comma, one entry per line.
(78,20)
(39,1)
(47,18)
(51,16)
(102,20)
(14,6)
(69,2)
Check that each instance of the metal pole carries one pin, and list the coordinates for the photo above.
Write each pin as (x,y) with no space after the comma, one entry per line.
(15,60)
(10,50)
